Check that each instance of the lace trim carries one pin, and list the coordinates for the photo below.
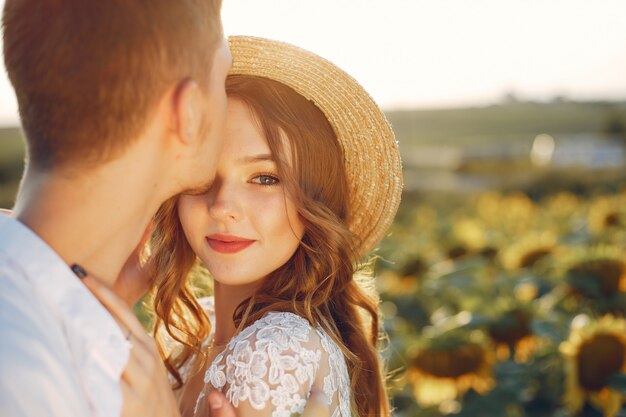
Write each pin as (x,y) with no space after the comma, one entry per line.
(338,378)
(276,360)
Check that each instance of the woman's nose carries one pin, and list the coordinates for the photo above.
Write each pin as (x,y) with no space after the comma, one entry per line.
(223,202)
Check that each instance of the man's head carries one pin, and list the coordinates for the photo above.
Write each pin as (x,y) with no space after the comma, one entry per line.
(90,74)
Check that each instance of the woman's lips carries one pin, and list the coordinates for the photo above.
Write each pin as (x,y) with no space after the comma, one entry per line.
(227,243)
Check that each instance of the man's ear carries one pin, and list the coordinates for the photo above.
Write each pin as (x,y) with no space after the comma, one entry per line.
(187,111)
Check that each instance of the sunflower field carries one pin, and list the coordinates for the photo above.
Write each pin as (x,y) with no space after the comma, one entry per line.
(507,306)
(503,278)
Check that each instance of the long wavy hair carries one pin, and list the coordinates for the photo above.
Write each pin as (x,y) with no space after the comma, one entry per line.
(322,282)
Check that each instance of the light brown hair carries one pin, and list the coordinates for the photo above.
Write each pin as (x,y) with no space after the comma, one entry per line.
(318,282)
(88,73)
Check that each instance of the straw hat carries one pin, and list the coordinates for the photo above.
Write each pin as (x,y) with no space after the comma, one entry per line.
(371,155)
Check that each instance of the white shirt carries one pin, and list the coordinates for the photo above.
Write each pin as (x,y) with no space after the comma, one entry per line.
(61,352)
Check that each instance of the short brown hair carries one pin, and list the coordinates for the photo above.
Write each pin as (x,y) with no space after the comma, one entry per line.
(87,73)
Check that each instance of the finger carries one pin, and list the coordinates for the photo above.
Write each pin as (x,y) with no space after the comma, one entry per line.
(128,396)
(316,405)
(127,389)
(134,371)
(5,212)
(140,379)
(117,307)
(219,406)
(148,359)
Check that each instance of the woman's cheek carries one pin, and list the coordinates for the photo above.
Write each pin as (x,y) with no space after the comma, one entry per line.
(189,212)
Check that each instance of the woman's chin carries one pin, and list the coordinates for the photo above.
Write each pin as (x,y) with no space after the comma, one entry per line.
(236,281)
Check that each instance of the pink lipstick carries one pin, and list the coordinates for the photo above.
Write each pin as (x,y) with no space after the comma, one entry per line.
(228,243)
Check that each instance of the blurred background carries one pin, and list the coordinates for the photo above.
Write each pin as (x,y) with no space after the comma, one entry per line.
(503,278)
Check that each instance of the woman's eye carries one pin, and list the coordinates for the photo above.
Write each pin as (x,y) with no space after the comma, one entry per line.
(265,179)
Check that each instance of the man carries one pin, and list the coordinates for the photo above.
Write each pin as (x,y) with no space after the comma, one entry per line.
(122,105)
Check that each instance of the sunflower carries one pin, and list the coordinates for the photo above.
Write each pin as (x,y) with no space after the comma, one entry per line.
(518,214)
(596,273)
(457,251)
(415,267)
(425,218)
(489,206)
(512,333)
(609,274)
(529,251)
(489,252)
(562,204)
(511,213)
(605,215)
(470,232)
(593,353)
(526,291)
(395,285)
(447,367)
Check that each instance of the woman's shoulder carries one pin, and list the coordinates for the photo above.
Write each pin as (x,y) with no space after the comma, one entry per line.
(280,328)
(279,356)
(278,333)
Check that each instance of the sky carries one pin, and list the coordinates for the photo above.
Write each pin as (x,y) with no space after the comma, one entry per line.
(444,53)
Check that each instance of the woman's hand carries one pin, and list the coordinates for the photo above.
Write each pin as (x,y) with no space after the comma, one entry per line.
(316,405)
(133,280)
(145,388)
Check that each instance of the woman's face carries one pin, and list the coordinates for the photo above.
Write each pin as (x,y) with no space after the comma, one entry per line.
(245,226)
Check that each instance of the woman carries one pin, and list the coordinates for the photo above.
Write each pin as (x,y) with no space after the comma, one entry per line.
(307,183)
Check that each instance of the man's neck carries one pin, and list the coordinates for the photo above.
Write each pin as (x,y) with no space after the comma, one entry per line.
(94,220)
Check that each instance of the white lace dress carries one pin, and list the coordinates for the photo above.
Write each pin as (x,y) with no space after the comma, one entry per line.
(270,368)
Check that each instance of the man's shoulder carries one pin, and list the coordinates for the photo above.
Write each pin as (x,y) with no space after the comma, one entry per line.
(23,319)
(31,334)
(16,293)
(37,375)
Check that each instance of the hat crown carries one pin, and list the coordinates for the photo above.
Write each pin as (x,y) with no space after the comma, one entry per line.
(371,154)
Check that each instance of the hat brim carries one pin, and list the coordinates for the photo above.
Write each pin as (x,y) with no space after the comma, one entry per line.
(371,155)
